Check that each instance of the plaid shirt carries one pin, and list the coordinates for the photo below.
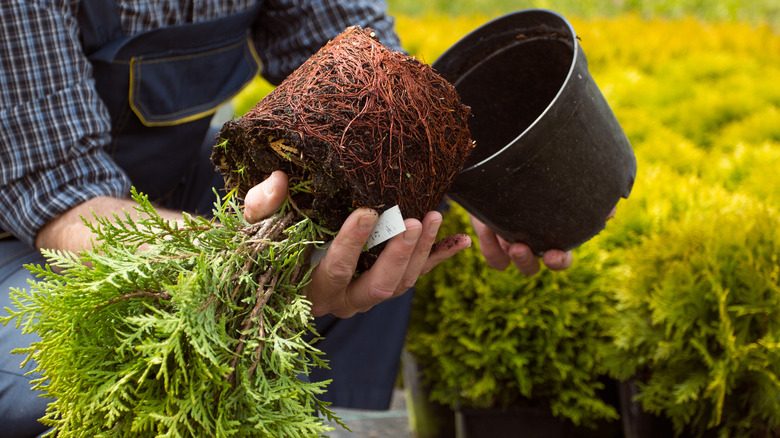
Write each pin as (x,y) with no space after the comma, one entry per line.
(53,124)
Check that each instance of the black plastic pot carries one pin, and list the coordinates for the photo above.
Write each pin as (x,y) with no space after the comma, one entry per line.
(526,423)
(551,160)
(427,419)
(520,422)
(637,423)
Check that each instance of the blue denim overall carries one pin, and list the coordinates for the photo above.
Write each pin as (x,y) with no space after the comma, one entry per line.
(160,88)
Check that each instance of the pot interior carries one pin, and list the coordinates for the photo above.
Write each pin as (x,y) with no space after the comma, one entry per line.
(510,88)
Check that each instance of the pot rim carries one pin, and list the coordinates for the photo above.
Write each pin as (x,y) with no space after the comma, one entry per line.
(572,37)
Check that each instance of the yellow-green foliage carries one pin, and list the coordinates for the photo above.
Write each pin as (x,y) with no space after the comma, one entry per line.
(427,37)
(487,338)
(700,292)
(700,103)
(701,98)
(699,319)
(721,10)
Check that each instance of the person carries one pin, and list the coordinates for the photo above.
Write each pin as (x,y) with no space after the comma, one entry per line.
(98,96)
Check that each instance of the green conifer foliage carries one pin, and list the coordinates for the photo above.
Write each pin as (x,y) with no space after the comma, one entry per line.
(698,321)
(485,338)
(202,332)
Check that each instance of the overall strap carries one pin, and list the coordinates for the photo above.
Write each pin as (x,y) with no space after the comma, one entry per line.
(161,87)
(100,23)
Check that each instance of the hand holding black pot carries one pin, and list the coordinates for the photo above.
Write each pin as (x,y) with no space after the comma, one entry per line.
(551,161)
(498,252)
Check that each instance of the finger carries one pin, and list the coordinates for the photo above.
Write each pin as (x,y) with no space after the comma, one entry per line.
(334,272)
(611,214)
(557,260)
(430,228)
(265,198)
(491,249)
(381,281)
(504,244)
(523,258)
(444,249)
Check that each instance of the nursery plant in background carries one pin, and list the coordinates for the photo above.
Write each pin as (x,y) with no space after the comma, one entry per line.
(698,320)
(700,104)
(200,328)
(487,339)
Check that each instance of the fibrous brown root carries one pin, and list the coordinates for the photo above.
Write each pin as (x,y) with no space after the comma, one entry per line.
(360,125)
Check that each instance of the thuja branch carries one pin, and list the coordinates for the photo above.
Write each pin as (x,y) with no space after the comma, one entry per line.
(255,319)
(141,293)
(210,337)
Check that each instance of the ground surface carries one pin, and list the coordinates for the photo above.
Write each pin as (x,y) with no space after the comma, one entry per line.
(393,423)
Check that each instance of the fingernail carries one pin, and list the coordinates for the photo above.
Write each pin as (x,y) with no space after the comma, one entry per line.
(411,235)
(434,229)
(368,221)
(520,259)
(269,188)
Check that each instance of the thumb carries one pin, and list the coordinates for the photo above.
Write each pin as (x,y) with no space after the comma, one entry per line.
(264,198)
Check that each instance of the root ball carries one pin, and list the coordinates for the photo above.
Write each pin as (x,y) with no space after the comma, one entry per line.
(357,125)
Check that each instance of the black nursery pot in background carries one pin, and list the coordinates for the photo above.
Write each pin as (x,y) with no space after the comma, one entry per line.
(551,160)
(525,423)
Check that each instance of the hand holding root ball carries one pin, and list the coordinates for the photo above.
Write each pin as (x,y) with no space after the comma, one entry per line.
(333,289)
(356,129)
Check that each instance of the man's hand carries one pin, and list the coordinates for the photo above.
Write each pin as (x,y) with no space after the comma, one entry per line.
(265,198)
(498,252)
(405,257)
(333,289)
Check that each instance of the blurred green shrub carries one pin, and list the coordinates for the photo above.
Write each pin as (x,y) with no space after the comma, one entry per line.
(698,321)
(754,11)
(700,103)
(498,339)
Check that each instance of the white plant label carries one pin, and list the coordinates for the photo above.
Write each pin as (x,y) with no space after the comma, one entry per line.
(390,224)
